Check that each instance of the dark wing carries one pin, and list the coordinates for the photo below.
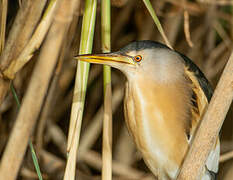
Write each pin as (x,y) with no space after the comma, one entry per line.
(203,82)
(202,93)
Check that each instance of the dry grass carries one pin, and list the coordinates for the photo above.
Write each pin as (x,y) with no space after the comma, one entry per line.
(36,56)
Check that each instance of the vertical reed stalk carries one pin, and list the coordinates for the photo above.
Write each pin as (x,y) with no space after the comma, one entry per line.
(107,121)
(36,92)
(24,24)
(34,157)
(3,15)
(80,88)
(34,43)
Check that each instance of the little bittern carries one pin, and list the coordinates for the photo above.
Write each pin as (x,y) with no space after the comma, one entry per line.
(166,96)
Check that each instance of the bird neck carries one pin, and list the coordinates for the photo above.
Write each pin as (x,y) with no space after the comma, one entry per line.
(161,116)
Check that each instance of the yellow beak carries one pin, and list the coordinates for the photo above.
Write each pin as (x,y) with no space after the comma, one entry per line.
(108,59)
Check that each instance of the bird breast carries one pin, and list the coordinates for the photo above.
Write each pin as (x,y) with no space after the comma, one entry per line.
(158,118)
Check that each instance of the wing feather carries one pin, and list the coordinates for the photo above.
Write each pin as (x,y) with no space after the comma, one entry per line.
(202,93)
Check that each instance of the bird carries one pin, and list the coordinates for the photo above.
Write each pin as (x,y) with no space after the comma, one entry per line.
(166,95)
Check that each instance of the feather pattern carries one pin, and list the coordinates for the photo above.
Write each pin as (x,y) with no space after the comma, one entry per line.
(163,123)
(202,93)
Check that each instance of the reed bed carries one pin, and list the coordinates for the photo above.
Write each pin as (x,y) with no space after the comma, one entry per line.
(71,112)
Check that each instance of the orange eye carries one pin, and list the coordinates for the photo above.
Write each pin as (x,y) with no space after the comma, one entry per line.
(138,58)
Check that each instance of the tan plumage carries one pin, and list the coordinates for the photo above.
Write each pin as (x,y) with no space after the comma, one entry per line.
(159,135)
(166,96)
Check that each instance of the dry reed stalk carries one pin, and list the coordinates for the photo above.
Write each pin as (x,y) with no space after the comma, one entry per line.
(20,33)
(48,105)
(210,125)
(34,43)
(3,15)
(65,80)
(92,132)
(36,92)
(107,133)
(51,98)
(226,156)
(186,28)
(22,29)
(107,119)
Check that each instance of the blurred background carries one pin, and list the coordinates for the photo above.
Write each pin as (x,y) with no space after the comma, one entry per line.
(200,29)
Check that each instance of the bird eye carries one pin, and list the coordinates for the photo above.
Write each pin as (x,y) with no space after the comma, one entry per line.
(138,58)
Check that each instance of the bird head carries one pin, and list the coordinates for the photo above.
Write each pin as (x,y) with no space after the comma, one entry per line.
(142,58)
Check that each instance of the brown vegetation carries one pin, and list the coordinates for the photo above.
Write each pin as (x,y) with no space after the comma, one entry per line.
(36,53)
